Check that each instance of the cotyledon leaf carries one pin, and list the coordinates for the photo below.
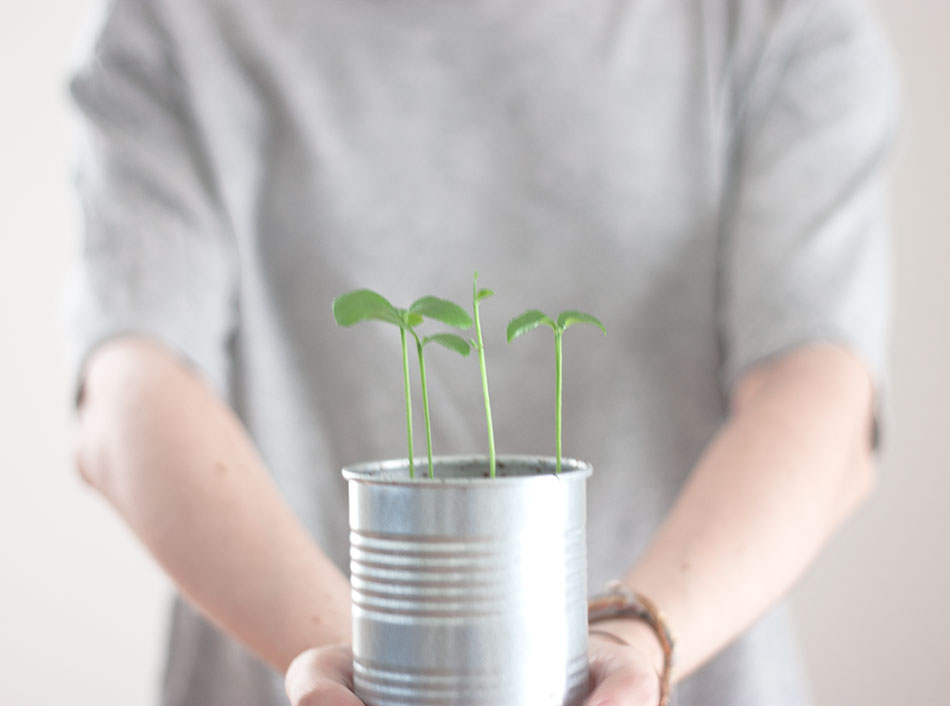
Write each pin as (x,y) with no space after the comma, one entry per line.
(442,310)
(450,341)
(362,305)
(569,318)
(526,322)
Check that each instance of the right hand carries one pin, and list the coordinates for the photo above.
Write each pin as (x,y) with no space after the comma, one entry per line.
(322,676)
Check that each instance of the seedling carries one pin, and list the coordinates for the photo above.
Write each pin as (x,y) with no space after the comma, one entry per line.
(452,315)
(477,296)
(366,305)
(532,319)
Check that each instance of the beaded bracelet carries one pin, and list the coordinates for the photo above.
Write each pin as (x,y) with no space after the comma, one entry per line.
(621,602)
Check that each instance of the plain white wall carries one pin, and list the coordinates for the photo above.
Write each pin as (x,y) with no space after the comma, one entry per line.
(873,611)
(81,604)
(80,619)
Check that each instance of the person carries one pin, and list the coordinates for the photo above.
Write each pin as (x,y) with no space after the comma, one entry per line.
(707,178)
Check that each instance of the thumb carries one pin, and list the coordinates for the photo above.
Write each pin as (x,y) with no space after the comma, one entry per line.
(321,676)
(624,680)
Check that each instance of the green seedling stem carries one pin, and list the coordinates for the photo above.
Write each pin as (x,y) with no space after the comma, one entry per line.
(533,318)
(425,405)
(453,343)
(405,374)
(558,377)
(477,296)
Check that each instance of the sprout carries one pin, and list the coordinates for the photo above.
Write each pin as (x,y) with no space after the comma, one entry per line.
(532,319)
(366,305)
(452,315)
(477,296)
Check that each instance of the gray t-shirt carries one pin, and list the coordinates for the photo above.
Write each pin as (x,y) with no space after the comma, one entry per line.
(706,177)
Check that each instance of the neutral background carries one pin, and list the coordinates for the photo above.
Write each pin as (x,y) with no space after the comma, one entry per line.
(81,604)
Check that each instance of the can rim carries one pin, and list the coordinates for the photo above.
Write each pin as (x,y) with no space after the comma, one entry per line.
(396,471)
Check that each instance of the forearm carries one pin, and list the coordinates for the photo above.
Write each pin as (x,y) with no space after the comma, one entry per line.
(790,464)
(179,467)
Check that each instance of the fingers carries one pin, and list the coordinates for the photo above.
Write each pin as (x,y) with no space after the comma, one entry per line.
(621,676)
(322,676)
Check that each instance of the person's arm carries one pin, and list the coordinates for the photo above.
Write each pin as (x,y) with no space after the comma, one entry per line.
(803,256)
(794,459)
(179,467)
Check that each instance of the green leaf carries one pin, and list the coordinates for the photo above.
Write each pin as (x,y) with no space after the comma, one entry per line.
(362,305)
(484,294)
(442,310)
(569,318)
(450,341)
(527,321)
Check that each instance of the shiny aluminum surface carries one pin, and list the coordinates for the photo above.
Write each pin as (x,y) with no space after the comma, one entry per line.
(469,590)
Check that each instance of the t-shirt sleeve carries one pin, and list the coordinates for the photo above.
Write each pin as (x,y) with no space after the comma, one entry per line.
(805,253)
(156,258)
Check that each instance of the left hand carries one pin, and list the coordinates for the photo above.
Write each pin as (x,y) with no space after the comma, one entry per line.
(624,674)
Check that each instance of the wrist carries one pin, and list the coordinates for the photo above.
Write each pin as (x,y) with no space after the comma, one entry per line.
(635,634)
(629,613)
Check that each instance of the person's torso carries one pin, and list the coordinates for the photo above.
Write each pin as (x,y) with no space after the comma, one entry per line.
(573,153)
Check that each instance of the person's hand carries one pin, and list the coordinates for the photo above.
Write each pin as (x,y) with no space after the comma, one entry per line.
(620,674)
(624,674)
(322,676)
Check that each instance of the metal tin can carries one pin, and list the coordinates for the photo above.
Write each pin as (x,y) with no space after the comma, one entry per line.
(469,590)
